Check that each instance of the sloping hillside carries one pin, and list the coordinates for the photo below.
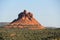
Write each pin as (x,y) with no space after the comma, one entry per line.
(4,23)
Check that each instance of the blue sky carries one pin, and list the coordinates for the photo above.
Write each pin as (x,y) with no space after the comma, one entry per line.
(47,12)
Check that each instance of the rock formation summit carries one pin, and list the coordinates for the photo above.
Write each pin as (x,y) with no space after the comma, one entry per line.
(25,20)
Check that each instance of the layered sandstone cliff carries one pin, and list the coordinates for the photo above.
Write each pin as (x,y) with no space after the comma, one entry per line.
(25,20)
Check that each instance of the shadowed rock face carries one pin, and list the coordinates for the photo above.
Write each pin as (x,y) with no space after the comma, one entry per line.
(24,14)
(25,20)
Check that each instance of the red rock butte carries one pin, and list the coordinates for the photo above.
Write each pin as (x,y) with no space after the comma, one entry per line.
(25,20)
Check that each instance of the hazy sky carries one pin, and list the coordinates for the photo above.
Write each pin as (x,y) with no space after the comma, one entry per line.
(47,12)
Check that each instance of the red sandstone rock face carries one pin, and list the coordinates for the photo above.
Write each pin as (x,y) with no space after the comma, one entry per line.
(25,20)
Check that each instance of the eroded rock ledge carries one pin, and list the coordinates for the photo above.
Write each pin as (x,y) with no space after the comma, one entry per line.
(24,14)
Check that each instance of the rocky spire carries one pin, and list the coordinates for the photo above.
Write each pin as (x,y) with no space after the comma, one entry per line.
(25,20)
(24,14)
